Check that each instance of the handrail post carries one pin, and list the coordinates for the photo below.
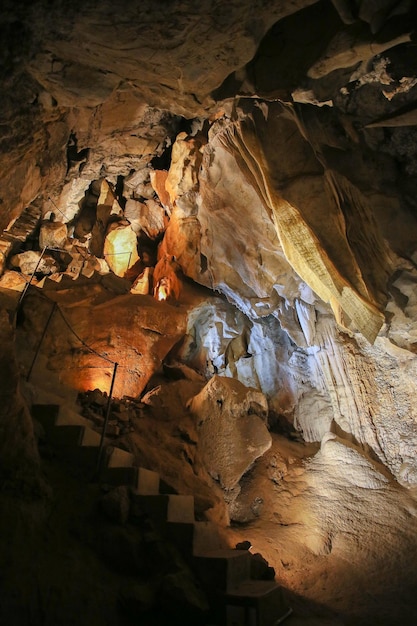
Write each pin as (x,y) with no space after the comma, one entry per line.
(106,419)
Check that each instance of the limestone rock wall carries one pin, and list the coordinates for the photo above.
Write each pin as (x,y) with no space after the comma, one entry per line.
(330,377)
(134,331)
(19,467)
(96,47)
(231,425)
(280,140)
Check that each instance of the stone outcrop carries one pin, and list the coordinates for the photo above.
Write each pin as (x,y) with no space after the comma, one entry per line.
(282,193)
(230,421)
(120,249)
(265,152)
(30,261)
(135,331)
(53,235)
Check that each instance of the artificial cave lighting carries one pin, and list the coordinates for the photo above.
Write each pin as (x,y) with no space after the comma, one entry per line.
(166,279)
(209,267)
(162,290)
(95,378)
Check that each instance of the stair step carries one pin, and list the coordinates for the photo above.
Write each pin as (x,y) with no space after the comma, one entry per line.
(164,508)
(206,538)
(74,435)
(144,482)
(256,602)
(116,457)
(226,573)
(117,476)
(147,483)
(65,428)
(90,437)
(223,569)
(46,415)
(180,509)
(67,416)
(182,536)
(67,435)
(155,506)
(192,536)
(81,457)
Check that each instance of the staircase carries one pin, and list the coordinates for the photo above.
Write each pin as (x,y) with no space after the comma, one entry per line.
(230,577)
(73,438)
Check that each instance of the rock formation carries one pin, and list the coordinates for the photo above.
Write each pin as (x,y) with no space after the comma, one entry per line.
(224,196)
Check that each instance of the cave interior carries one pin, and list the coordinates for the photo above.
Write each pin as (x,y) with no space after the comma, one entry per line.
(208,271)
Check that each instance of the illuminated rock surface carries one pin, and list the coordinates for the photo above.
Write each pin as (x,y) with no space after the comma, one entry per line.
(231,427)
(120,249)
(261,160)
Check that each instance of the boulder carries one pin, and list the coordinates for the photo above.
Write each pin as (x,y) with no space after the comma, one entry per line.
(52,235)
(75,266)
(148,217)
(12,280)
(138,182)
(231,427)
(91,265)
(71,197)
(132,213)
(120,249)
(31,260)
(153,219)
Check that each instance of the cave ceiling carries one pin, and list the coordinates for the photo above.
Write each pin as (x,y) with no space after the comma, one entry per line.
(269,148)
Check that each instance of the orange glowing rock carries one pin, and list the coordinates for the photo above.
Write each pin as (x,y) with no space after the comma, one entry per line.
(158,180)
(120,249)
(166,279)
(141,286)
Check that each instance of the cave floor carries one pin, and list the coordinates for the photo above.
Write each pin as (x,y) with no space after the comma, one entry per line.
(338,529)
(340,533)
(61,559)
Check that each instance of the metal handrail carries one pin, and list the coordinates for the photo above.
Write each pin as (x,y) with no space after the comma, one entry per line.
(114,363)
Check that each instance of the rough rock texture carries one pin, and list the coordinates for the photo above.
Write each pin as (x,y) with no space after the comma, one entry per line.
(369,395)
(19,465)
(138,49)
(231,428)
(268,170)
(280,141)
(335,521)
(100,323)
(134,331)
(120,249)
